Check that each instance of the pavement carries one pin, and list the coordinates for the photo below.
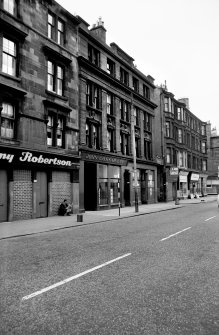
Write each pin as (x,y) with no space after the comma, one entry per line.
(40,225)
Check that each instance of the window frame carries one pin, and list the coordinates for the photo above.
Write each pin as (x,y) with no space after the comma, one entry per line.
(56,79)
(8,118)
(53,31)
(14,9)
(10,56)
(55,115)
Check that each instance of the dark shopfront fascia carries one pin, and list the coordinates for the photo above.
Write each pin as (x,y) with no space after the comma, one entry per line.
(34,183)
(101,184)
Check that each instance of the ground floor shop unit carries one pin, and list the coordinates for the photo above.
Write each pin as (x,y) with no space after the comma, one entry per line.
(107,181)
(33,183)
(183,184)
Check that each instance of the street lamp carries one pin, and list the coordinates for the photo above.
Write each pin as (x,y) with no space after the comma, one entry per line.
(134,154)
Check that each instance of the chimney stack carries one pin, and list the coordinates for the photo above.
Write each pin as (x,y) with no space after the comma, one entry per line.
(99,31)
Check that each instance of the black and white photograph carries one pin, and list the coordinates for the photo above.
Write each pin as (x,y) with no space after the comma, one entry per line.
(109,167)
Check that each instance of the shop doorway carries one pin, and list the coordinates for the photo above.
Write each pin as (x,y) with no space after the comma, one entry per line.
(41,194)
(3,195)
(127,188)
(90,186)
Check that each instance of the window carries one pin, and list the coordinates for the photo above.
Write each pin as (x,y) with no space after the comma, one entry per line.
(146,92)
(180,156)
(124,143)
(136,116)
(10,6)
(167,129)
(55,130)
(180,139)
(189,161)
(179,113)
(55,29)
(137,146)
(188,140)
(166,104)
(110,139)
(93,55)
(55,78)
(109,103)
(204,165)
(147,149)
(9,57)
(124,110)
(135,83)
(168,156)
(203,144)
(124,76)
(147,121)
(92,135)
(203,130)
(110,67)
(93,95)
(7,120)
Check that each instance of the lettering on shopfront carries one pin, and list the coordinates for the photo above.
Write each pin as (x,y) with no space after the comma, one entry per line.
(29,157)
(104,159)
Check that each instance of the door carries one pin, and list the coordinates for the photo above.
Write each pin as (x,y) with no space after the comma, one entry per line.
(90,186)
(127,188)
(3,196)
(41,194)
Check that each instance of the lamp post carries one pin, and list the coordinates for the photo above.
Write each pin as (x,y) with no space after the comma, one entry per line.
(134,154)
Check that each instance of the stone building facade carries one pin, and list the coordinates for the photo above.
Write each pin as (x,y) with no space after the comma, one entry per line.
(116,111)
(39,162)
(182,143)
(213,160)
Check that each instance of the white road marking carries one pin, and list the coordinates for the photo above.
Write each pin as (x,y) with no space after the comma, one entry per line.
(72,278)
(165,238)
(211,218)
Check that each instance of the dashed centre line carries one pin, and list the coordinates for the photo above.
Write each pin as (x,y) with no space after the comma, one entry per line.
(165,238)
(211,218)
(73,277)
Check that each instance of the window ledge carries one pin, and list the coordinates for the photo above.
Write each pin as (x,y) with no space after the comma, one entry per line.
(57,95)
(6,75)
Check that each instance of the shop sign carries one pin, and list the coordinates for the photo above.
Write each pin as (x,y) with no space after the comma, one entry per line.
(182,179)
(194,177)
(29,157)
(174,171)
(104,159)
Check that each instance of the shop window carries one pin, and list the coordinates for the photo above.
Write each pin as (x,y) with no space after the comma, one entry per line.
(9,57)
(55,29)
(10,6)
(124,76)
(7,120)
(110,67)
(146,92)
(55,130)
(93,95)
(93,55)
(55,78)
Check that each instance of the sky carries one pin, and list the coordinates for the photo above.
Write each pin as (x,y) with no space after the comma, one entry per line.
(176,41)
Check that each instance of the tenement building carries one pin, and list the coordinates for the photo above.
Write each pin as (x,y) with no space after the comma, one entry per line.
(39,162)
(182,142)
(116,124)
(213,160)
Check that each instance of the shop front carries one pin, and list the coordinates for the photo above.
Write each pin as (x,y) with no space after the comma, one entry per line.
(101,181)
(194,184)
(172,175)
(182,191)
(34,183)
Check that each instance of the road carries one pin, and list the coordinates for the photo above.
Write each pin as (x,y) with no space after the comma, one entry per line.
(155,274)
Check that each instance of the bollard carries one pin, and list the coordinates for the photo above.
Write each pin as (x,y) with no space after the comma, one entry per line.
(79,217)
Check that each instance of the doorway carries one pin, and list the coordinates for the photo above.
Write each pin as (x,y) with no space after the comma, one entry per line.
(90,186)
(41,194)
(3,196)
(127,188)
